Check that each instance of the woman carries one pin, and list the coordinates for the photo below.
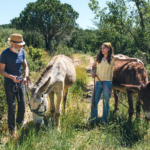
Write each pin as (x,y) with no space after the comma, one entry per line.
(104,62)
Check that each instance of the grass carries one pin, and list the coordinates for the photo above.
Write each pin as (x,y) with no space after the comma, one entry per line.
(76,133)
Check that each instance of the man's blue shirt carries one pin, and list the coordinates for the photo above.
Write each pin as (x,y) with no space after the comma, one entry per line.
(13,62)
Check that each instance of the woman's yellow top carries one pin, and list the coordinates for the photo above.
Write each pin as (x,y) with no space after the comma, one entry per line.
(105,70)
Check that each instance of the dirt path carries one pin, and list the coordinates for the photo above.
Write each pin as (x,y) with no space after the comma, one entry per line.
(90,86)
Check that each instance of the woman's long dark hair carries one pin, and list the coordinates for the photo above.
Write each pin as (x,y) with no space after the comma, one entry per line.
(109,57)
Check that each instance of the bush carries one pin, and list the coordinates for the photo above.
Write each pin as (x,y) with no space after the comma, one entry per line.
(1,39)
(6,32)
(30,38)
(140,55)
(35,53)
(35,65)
(34,60)
(148,71)
(64,50)
(3,43)
(3,102)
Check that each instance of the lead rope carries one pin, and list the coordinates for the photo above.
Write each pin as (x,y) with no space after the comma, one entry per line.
(115,98)
(27,92)
(17,86)
(94,93)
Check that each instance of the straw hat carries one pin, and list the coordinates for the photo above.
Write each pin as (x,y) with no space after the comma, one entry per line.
(16,39)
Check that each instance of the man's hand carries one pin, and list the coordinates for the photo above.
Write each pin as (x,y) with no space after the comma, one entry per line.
(139,61)
(14,78)
(93,74)
(24,81)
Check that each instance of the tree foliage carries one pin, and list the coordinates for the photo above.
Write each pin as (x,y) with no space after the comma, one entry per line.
(50,18)
(129,20)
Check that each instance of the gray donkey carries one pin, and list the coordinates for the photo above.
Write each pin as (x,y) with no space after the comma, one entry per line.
(58,76)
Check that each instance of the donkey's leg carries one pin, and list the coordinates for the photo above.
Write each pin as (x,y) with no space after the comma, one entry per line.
(130,102)
(52,106)
(58,108)
(65,98)
(138,107)
(116,100)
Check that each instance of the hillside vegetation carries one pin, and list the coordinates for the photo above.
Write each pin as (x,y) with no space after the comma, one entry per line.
(49,28)
(76,133)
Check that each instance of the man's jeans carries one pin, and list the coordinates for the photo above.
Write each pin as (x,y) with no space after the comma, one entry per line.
(99,88)
(10,96)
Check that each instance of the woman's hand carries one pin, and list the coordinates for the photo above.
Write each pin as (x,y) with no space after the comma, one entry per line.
(93,66)
(139,61)
(93,74)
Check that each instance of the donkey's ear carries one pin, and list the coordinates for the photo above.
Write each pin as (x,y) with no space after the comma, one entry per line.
(134,88)
(148,86)
(44,87)
(29,83)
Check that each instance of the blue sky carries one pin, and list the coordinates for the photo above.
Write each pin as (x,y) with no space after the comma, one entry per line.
(10,9)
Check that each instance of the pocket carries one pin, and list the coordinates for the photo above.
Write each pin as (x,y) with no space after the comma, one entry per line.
(7,84)
(111,84)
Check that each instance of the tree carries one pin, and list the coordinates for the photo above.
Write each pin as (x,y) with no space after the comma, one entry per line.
(49,17)
(126,20)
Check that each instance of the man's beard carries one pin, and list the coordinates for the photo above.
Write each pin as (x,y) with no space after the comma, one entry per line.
(16,50)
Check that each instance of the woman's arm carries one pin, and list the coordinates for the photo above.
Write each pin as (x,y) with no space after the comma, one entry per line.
(122,58)
(92,72)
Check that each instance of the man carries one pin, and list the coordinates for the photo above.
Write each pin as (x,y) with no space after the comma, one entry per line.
(11,63)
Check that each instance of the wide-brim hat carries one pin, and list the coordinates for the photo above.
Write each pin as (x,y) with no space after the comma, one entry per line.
(16,39)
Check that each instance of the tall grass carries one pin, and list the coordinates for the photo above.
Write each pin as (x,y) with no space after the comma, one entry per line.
(76,132)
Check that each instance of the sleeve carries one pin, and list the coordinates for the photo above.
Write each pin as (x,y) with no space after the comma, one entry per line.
(24,56)
(3,58)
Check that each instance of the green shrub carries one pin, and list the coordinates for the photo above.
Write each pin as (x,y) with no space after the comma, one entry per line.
(35,53)
(3,102)
(140,55)
(6,32)
(64,50)
(35,65)
(148,71)
(3,43)
(34,60)
(1,39)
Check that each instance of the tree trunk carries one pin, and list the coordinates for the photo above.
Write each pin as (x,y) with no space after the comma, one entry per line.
(140,14)
(47,44)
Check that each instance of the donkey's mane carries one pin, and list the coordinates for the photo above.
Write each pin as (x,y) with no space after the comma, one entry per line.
(48,67)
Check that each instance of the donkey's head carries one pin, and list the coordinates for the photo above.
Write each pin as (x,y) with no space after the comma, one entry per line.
(143,91)
(38,102)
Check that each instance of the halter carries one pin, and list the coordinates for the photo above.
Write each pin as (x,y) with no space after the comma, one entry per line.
(36,111)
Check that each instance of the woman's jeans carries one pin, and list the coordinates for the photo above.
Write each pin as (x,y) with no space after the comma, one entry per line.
(10,96)
(99,88)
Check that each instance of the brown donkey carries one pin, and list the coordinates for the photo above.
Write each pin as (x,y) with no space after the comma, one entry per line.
(131,77)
